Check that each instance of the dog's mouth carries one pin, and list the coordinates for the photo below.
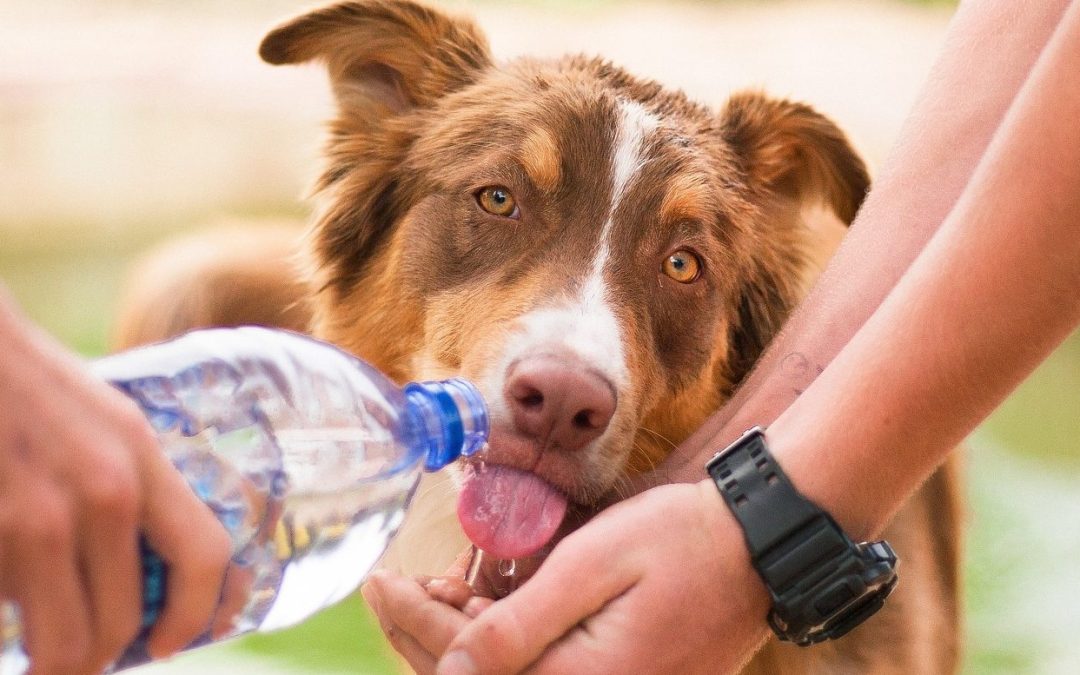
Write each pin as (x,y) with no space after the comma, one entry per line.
(507,512)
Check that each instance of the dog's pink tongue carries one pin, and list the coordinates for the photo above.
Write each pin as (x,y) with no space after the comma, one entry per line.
(509,513)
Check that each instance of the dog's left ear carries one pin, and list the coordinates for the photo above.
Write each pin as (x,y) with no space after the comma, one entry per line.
(393,54)
(793,160)
(386,59)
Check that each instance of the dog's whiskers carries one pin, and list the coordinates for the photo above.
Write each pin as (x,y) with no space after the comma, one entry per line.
(623,486)
(647,457)
(656,434)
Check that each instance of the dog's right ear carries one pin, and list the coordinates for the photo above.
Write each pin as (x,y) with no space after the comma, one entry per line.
(793,158)
(384,56)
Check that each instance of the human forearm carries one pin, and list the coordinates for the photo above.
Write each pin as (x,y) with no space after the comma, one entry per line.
(994,292)
(936,153)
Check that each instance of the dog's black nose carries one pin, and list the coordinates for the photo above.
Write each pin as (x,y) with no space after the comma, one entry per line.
(559,401)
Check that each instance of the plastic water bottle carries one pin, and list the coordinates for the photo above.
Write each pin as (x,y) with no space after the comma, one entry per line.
(308,456)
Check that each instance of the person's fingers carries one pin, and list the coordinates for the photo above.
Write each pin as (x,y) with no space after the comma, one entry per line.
(371,594)
(41,575)
(96,474)
(475,605)
(235,592)
(110,564)
(404,604)
(178,527)
(603,639)
(108,550)
(512,633)
(420,659)
(196,550)
(454,591)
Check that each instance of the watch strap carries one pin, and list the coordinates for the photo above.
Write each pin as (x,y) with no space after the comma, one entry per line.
(772,512)
(822,584)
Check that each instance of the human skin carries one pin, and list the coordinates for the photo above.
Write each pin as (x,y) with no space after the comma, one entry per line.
(81,476)
(990,49)
(991,291)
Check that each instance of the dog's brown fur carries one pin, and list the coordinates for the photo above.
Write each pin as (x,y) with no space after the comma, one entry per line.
(410,275)
(229,275)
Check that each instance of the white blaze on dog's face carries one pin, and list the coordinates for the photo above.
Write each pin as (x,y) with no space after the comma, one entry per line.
(575,342)
(603,257)
(555,388)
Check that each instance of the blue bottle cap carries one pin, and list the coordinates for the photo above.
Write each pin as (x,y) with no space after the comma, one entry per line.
(456,419)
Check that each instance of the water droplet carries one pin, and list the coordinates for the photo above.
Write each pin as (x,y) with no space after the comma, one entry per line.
(475,467)
(473,570)
(507,567)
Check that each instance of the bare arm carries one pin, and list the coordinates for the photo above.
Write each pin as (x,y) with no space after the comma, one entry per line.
(993,293)
(938,148)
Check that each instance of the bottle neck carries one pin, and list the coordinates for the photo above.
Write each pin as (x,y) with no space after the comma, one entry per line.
(451,420)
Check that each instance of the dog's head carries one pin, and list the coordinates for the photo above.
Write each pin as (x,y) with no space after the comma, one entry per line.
(603,257)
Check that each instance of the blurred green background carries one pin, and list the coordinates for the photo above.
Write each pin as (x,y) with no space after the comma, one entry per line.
(125,123)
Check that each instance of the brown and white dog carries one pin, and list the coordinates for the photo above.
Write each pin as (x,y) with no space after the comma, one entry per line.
(605,258)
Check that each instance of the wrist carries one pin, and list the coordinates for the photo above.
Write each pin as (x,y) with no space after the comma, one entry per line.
(727,541)
(820,582)
(830,473)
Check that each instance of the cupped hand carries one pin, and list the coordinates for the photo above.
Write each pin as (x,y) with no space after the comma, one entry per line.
(81,477)
(659,583)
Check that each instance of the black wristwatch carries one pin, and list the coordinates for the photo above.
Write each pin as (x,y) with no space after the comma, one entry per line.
(822,584)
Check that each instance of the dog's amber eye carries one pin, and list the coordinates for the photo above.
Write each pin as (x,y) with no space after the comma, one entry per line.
(497,201)
(682,266)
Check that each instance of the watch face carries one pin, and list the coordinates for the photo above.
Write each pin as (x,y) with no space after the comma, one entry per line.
(854,591)
(857,613)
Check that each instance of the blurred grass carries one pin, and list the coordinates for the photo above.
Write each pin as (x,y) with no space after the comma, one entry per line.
(345,638)
(1042,418)
(70,293)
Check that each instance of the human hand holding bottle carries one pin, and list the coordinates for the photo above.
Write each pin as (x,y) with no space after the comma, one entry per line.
(81,477)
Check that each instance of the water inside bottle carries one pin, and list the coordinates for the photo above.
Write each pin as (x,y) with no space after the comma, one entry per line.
(300,550)
(308,541)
